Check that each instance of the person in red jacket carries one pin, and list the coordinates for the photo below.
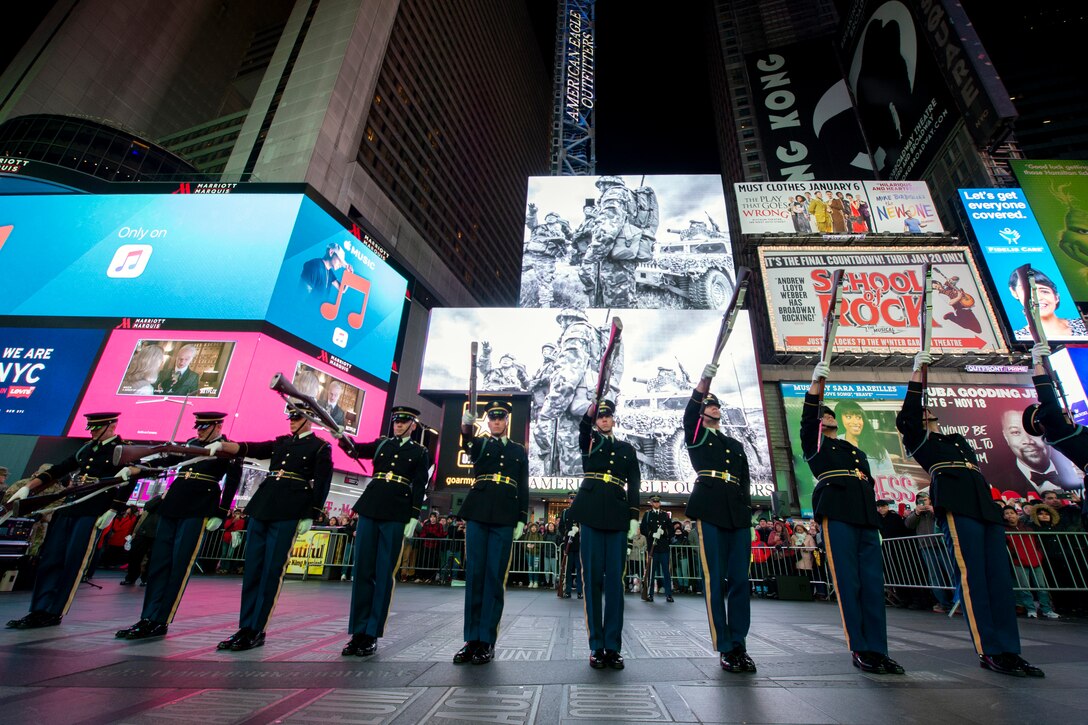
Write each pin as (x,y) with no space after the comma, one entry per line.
(236,522)
(432,532)
(116,535)
(1027,566)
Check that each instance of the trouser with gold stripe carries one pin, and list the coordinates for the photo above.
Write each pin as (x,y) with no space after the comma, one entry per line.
(378,546)
(982,561)
(604,560)
(725,554)
(177,542)
(857,569)
(487,561)
(69,542)
(268,547)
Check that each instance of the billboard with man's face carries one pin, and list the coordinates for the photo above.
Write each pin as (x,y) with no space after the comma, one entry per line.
(988,416)
(631,242)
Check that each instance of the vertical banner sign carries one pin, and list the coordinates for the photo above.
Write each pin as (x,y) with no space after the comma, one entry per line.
(574,146)
(1058,193)
(807,126)
(579,62)
(1010,237)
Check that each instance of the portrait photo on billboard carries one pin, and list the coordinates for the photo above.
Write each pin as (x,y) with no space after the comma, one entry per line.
(902,207)
(186,368)
(882,299)
(554,357)
(988,416)
(1058,194)
(1009,237)
(42,371)
(902,101)
(341,400)
(336,292)
(632,242)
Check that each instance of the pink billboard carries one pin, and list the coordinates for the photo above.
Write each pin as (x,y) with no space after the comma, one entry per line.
(233,370)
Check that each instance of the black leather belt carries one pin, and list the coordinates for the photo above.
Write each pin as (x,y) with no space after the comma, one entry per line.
(497,478)
(851,472)
(723,475)
(390,476)
(606,477)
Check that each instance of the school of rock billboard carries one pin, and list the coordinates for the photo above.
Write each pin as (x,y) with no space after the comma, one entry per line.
(988,416)
(1010,237)
(881,299)
(1058,194)
(902,99)
(836,207)
(630,242)
(554,356)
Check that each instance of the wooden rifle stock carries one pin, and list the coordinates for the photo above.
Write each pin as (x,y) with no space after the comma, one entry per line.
(1026,279)
(831,326)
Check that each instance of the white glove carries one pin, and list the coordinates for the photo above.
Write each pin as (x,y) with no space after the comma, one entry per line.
(632,529)
(710,370)
(1039,351)
(105,519)
(303,526)
(213,523)
(574,530)
(123,474)
(519,529)
(214,448)
(338,433)
(410,528)
(20,494)
(468,419)
(920,359)
(657,534)
(822,370)
(128,543)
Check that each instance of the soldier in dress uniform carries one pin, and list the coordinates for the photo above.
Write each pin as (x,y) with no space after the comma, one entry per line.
(721,503)
(844,501)
(568,529)
(70,538)
(606,509)
(193,504)
(388,514)
(285,505)
(974,530)
(496,510)
(656,526)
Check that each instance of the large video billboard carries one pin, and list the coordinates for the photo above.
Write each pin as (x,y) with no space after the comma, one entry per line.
(233,370)
(836,207)
(1058,194)
(41,374)
(988,416)
(902,100)
(881,298)
(1009,237)
(646,242)
(148,255)
(554,355)
(275,257)
(807,125)
(338,294)
(1070,364)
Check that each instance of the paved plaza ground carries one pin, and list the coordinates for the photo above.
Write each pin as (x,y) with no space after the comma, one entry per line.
(79,673)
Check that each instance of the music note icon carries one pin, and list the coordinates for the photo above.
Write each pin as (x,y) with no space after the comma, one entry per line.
(129,260)
(349,280)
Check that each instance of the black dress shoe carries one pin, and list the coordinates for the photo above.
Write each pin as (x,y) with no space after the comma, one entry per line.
(250,641)
(579,595)
(650,598)
(669,598)
(891,666)
(34,620)
(127,583)
(1002,664)
(236,637)
(869,662)
(370,646)
(484,653)
(566,596)
(353,647)
(124,633)
(1028,669)
(465,653)
(597,660)
(614,659)
(741,661)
